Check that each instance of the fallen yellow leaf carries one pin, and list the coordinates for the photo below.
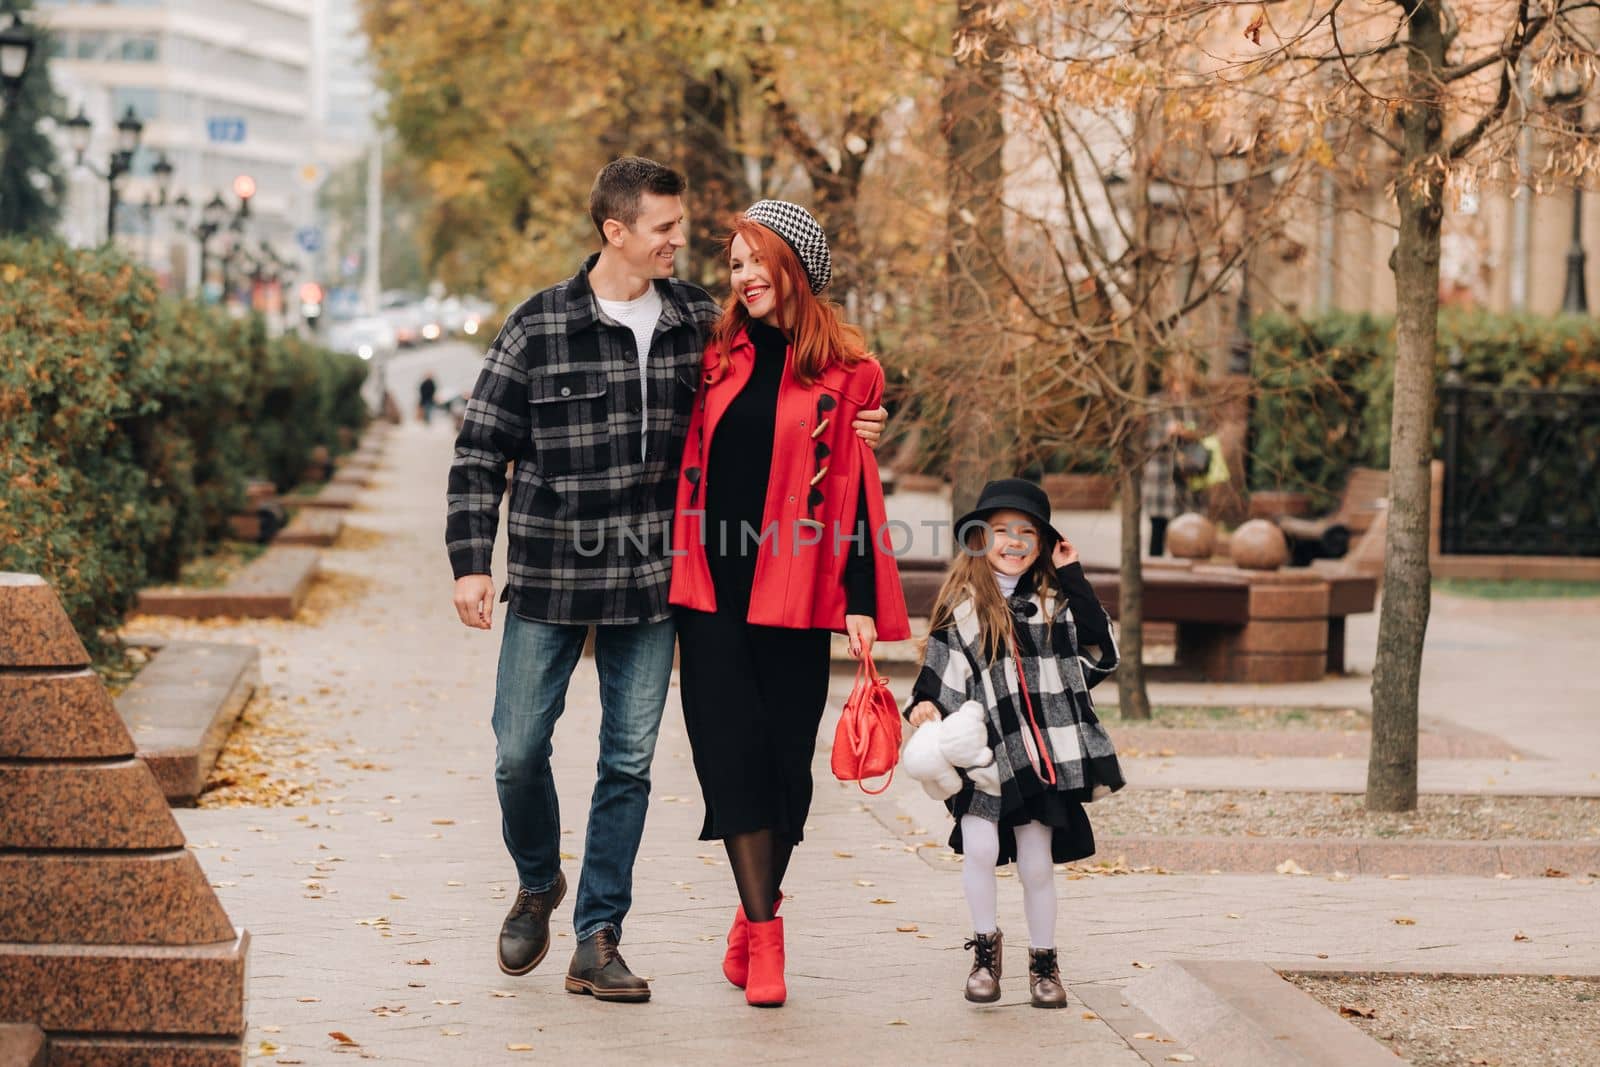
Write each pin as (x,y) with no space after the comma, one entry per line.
(519,1048)
(1405,921)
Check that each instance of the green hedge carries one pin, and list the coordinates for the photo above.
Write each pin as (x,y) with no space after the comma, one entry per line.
(1323,401)
(129,423)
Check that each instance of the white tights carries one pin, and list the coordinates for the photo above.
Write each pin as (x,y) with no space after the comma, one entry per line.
(980,846)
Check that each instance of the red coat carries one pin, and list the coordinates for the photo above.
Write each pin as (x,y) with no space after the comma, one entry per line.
(799,578)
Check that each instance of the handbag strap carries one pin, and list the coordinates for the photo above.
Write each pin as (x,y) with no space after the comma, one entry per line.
(1047,769)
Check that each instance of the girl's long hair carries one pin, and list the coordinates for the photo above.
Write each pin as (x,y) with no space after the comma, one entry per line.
(971,578)
(817,332)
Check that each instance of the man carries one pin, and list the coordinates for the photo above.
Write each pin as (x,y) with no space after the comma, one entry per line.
(588,388)
(427,391)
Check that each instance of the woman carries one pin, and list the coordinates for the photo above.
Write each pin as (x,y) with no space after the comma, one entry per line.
(780,537)
(1165,488)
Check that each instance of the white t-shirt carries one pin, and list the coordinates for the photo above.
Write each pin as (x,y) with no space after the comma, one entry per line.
(639,315)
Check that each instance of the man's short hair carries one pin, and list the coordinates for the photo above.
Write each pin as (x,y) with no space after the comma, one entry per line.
(621,185)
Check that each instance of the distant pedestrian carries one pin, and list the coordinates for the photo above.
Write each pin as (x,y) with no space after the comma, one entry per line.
(426,392)
(1009,630)
(1172,445)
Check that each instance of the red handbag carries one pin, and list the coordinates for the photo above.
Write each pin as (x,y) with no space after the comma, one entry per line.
(867,741)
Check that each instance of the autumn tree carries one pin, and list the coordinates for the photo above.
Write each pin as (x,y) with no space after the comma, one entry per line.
(1427,96)
(1097,220)
(512,107)
(1439,91)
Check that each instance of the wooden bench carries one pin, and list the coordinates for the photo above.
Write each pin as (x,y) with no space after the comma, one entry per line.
(1365,497)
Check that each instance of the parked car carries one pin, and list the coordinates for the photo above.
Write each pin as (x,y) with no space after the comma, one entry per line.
(407,321)
(367,337)
(464,315)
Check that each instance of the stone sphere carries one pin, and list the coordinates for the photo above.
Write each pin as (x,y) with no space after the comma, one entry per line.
(1259,545)
(1191,536)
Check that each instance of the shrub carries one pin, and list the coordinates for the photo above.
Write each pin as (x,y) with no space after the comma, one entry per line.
(130,422)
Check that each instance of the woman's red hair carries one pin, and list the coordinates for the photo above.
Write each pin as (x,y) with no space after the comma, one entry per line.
(818,335)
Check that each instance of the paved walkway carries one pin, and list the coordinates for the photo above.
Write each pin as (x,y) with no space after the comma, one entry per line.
(373,913)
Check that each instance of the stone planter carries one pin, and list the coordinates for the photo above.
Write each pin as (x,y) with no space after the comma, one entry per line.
(1080,492)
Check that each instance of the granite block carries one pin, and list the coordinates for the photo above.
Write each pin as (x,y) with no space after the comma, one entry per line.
(1242,1012)
(102,805)
(1284,635)
(1305,601)
(1250,855)
(360,477)
(1468,858)
(274,585)
(107,898)
(1533,859)
(34,628)
(342,497)
(181,707)
(97,1050)
(140,989)
(315,527)
(59,715)
(1262,667)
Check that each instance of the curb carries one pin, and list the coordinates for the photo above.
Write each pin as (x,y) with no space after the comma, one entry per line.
(1262,855)
(273,586)
(181,707)
(1241,1011)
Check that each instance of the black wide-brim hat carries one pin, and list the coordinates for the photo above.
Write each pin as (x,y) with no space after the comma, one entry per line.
(1013,494)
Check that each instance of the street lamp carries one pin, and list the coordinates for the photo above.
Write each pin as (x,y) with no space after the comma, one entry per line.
(1567,88)
(129,132)
(162,169)
(16,52)
(212,216)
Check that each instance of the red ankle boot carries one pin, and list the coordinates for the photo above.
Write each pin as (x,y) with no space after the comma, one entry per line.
(736,961)
(765,988)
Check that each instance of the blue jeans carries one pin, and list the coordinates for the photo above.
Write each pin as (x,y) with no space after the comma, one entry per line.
(536,663)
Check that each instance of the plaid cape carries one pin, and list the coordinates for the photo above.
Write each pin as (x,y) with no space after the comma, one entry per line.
(1059,680)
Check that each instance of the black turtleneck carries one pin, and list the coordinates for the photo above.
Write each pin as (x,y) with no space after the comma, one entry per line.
(737,472)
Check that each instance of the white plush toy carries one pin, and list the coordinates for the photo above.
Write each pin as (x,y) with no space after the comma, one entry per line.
(960,739)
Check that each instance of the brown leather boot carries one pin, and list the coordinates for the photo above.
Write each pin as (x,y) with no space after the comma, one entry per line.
(525,935)
(983,984)
(1044,979)
(598,969)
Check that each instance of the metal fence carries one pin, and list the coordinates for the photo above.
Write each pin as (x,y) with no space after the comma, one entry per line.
(1522,470)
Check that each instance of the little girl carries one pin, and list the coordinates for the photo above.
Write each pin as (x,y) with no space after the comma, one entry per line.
(1017,598)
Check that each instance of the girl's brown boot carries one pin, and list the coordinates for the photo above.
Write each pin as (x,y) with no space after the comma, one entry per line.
(983,984)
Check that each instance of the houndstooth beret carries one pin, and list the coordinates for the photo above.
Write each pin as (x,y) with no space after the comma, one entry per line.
(802,233)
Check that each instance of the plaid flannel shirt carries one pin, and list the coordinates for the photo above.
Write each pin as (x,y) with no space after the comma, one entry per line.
(560,396)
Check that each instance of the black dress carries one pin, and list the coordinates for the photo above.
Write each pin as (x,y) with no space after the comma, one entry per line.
(753,696)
